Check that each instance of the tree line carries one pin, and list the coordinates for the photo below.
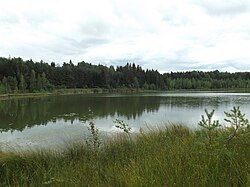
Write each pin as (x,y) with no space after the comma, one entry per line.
(17,75)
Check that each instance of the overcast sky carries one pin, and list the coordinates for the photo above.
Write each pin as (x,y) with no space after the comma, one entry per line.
(168,35)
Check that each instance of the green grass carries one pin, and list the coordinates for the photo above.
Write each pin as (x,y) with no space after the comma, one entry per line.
(70,92)
(173,156)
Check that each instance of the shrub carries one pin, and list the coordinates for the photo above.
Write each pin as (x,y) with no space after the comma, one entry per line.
(208,124)
(237,120)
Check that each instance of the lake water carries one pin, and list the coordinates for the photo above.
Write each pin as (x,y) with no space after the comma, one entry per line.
(52,121)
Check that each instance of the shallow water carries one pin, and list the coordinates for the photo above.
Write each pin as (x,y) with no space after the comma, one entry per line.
(51,122)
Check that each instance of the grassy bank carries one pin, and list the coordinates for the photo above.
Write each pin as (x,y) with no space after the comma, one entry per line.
(72,91)
(101,90)
(173,156)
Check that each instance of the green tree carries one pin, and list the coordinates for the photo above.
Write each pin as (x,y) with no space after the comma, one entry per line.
(145,86)
(44,81)
(6,85)
(208,123)
(12,82)
(33,81)
(22,84)
(136,83)
(2,88)
(39,85)
(237,121)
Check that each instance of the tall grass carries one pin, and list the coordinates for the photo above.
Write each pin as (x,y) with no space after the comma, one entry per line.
(172,156)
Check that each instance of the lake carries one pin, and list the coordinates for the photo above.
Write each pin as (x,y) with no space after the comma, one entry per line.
(52,122)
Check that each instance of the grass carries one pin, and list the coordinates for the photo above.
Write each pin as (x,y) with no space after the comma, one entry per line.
(172,156)
(70,92)
(102,90)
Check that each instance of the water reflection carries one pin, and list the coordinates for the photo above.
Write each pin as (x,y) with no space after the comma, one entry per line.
(50,121)
(18,114)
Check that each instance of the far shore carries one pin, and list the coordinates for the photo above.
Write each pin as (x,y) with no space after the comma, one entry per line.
(103,90)
(71,92)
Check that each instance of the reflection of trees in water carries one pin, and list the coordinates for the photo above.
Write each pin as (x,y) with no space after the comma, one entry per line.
(16,114)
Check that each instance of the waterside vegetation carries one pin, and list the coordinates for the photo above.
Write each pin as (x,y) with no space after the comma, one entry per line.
(170,156)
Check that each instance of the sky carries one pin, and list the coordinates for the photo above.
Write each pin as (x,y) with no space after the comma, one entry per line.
(167,35)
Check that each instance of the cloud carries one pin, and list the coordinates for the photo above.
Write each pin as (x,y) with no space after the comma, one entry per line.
(161,34)
(225,8)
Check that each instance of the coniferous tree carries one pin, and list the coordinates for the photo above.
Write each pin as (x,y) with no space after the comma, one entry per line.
(39,85)
(33,81)
(22,83)
(12,83)
(44,76)
(45,82)
(6,85)
(2,89)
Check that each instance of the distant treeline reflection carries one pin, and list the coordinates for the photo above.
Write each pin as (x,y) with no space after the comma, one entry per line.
(16,114)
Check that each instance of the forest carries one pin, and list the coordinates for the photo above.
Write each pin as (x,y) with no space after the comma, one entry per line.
(19,76)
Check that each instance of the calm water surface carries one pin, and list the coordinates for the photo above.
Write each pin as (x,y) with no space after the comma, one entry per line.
(51,122)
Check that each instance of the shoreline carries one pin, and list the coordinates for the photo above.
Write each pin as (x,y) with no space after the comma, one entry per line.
(60,92)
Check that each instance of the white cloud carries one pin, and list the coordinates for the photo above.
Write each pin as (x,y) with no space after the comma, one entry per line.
(161,34)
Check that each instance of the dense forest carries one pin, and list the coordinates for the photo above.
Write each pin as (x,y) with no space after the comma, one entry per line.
(17,75)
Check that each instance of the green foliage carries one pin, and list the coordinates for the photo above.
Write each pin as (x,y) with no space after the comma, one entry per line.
(6,85)
(44,82)
(39,85)
(22,83)
(35,83)
(94,141)
(32,82)
(2,88)
(120,124)
(237,120)
(209,124)
(9,84)
(136,83)
(41,76)
(145,86)
(172,156)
